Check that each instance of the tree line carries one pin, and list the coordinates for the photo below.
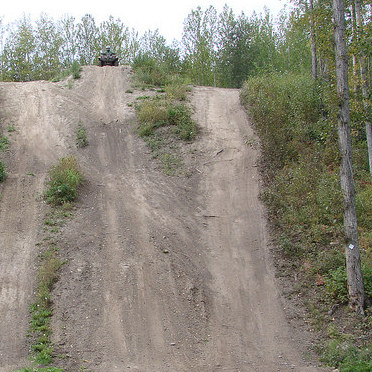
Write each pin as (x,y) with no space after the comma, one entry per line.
(220,49)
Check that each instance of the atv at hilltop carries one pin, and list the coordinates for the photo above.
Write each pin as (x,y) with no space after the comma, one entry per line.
(108,58)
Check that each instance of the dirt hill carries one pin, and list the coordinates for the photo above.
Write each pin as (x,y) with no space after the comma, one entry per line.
(122,303)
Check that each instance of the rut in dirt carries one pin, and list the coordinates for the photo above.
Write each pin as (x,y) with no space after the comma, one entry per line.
(164,273)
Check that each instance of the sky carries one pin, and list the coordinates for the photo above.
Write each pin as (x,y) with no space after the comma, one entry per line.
(142,15)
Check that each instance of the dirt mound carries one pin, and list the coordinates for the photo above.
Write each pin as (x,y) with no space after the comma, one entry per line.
(164,273)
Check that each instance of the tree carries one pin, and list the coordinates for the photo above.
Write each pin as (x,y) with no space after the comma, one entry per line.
(314,58)
(87,36)
(68,32)
(115,34)
(199,41)
(353,263)
(235,58)
(19,52)
(263,43)
(47,49)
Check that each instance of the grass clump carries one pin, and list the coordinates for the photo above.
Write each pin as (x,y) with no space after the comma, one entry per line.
(4,143)
(64,179)
(81,136)
(2,172)
(157,113)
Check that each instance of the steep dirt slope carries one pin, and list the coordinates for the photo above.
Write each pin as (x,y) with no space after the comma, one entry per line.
(164,273)
(36,111)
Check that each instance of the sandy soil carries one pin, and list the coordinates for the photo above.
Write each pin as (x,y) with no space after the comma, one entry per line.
(164,273)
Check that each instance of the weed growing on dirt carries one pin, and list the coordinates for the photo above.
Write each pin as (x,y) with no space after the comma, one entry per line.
(157,113)
(81,136)
(295,122)
(4,143)
(2,172)
(64,180)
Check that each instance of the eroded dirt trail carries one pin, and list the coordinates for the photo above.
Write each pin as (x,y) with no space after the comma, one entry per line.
(32,109)
(164,274)
(248,327)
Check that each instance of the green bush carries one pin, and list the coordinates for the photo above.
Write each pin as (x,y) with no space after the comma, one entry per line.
(81,136)
(64,181)
(2,172)
(75,70)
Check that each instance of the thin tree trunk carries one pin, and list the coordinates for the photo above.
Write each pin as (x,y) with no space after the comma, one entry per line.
(352,253)
(314,63)
(355,34)
(363,75)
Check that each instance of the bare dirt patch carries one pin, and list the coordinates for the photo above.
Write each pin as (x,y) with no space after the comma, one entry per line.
(164,273)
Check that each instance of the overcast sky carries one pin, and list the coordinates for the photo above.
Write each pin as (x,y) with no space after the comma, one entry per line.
(142,15)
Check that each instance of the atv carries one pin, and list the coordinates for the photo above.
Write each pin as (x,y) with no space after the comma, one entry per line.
(108,58)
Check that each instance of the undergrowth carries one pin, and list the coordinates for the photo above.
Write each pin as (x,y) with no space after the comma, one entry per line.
(296,121)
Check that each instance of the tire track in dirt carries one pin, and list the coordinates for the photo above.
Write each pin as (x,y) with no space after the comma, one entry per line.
(249,331)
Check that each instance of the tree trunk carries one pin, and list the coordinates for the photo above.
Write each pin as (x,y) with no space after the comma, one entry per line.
(363,75)
(355,34)
(314,64)
(352,253)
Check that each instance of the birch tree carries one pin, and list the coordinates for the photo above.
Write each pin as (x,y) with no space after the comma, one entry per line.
(353,263)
